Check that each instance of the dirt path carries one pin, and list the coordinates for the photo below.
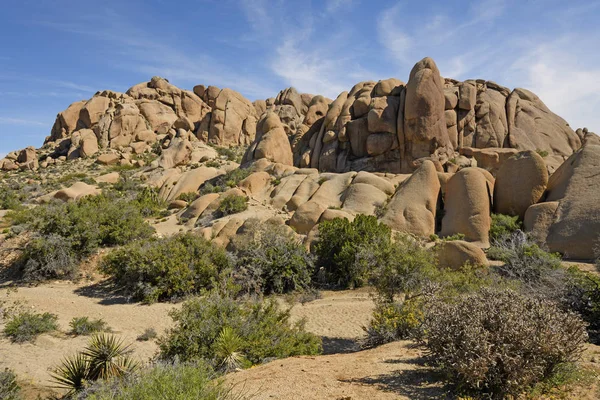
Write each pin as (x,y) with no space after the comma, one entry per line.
(393,371)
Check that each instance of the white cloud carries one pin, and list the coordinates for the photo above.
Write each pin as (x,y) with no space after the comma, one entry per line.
(136,49)
(569,87)
(397,42)
(335,5)
(20,121)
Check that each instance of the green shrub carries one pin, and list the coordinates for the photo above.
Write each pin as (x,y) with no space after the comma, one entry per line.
(26,326)
(583,296)
(49,257)
(227,181)
(503,225)
(393,321)
(9,388)
(232,204)
(10,197)
(396,268)
(86,326)
(149,202)
(68,232)
(212,164)
(149,334)
(166,268)
(337,246)
(105,357)
(264,331)
(539,272)
(166,381)
(273,261)
(500,342)
(234,154)
(188,197)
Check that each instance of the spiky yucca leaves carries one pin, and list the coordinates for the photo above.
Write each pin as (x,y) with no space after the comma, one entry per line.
(108,357)
(228,348)
(105,357)
(72,374)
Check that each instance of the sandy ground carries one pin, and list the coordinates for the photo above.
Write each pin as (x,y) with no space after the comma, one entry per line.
(338,316)
(393,371)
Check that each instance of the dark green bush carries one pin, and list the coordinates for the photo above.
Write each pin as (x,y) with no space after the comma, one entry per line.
(166,381)
(583,296)
(9,388)
(86,326)
(338,244)
(166,268)
(227,181)
(273,261)
(188,197)
(234,154)
(49,257)
(500,342)
(401,267)
(264,331)
(26,326)
(10,198)
(232,204)
(69,232)
(503,225)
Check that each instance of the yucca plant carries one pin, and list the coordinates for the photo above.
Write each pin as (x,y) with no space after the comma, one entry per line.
(72,374)
(105,357)
(228,348)
(108,357)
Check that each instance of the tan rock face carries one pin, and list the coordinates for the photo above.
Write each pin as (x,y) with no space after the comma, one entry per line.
(574,232)
(467,206)
(520,183)
(66,121)
(424,129)
(456,253)
(538,219)
(532,126)
(83,144)
(233,120)
(274,144)
(178,153)
(413,207)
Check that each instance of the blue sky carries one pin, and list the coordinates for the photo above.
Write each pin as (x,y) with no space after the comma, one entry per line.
(53,53)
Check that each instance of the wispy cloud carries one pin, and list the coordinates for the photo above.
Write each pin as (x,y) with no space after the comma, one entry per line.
(137,49)
(335,5)
(20,121)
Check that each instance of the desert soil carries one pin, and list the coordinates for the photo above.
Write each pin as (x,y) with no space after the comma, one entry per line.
(393,371)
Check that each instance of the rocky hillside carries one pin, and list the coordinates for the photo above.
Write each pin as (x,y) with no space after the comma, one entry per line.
(432,156)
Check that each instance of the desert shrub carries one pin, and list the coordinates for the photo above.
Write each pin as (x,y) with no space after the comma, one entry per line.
(227,181)
(10,197)
(503,225)
(149,202)
(500,342)
(165,381)
(149,334)
(188,197)
(49,257)
(9,388)
(393,321)
(86,326)
(26,326)
(338,244)
(68,232)
(232,204)
(273,261)
(165,268)
(212,164)
(401,267)
(262,329)
(105,357)
(582,295)
(539,272)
